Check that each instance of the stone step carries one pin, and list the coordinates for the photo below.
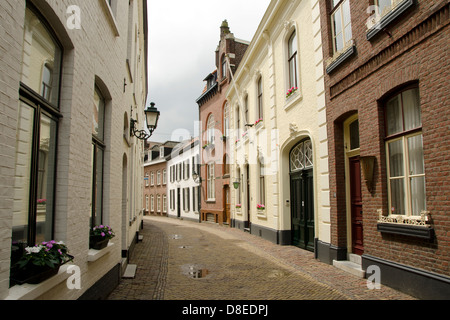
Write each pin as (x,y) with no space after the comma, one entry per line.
(130,272)
(350,267)
(355,258)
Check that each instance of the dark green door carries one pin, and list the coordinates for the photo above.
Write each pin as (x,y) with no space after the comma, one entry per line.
(302,195)
(302,209)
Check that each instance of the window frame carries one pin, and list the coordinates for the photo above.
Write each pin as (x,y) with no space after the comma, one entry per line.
(292,60)
(260,102)
(333,10)
(403,136)
(211,194)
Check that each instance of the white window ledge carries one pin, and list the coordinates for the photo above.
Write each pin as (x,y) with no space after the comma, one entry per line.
(33,291)
(111,18)
(94,255)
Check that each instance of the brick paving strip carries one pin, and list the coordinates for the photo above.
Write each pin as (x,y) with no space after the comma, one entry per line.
(236,265)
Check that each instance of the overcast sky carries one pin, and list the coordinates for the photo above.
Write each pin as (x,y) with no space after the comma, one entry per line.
(183,37)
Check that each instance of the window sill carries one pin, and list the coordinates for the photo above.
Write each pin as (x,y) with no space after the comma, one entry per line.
(94,255)
(33,291)
(423,232)
(388,18)
(261,213)
(350,51)
(292,100)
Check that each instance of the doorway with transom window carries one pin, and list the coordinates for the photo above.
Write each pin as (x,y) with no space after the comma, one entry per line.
(302,195)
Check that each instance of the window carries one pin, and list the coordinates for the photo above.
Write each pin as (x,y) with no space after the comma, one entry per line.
(238,191)
(146,179)
(186,197)
(224,67)
(146,202)
(238,121)
(98,150)
(164,176)
(260,99)
(246,109)
(158,177)
(37,127)
(210,130)
(262,184)
(292,60)
(211,188)
(164,203)
(404,152)
(152,178)
(226,164)
(158,203)
(383,6)
(195,199)
(341,24)
(226,120)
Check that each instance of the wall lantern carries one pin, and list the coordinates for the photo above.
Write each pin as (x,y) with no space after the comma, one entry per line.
(196,177)
(151,116)
(236,184)
(367,167)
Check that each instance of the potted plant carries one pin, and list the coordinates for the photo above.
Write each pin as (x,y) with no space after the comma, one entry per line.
(260,207)
(100,236)
(40,262)
(238,206)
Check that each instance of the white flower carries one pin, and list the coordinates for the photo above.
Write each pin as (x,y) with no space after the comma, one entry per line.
(31,250)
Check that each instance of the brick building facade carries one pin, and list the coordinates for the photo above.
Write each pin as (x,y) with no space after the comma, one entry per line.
(156,173)
(387,85)
(214,120)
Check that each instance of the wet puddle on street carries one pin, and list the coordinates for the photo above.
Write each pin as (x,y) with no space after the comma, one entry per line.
(194,272)
(176,236)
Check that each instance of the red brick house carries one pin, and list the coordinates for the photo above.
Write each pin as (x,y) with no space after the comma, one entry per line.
(214,119)
(387,88)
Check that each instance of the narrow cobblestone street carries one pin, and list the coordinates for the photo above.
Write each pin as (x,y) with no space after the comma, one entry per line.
(183,260)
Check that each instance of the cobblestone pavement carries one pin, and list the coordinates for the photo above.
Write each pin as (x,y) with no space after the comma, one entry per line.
(184,260)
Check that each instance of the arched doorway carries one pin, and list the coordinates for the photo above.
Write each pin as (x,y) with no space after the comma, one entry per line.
(302,194)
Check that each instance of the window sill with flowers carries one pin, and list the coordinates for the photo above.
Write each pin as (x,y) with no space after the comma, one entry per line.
(99,242)
(261,210)
(238,208)
(38,269)
(292,96)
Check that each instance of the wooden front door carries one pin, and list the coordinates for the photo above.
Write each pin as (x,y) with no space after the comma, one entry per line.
(302,209)
(356,206)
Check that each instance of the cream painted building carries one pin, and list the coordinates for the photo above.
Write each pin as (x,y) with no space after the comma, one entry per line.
(279,149)
(75,74)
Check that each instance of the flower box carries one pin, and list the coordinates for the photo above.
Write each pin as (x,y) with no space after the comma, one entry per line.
(98,242)
(100,236)
(39,263)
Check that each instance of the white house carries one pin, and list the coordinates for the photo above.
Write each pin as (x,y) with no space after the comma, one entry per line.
(278,118)
(184,182)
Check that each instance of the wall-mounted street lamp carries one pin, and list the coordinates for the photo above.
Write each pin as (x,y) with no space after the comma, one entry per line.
(196,177)
(151,116)
(236,184)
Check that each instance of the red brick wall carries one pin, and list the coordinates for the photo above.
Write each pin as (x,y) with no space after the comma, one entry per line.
(415,51)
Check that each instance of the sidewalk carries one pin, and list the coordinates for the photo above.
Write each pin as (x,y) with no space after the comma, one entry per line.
(183,260)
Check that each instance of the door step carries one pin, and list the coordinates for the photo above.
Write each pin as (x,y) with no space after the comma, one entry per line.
(247,230)
(130,272)
(353,265)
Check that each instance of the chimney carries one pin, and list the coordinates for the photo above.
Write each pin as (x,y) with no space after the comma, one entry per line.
(224,29)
